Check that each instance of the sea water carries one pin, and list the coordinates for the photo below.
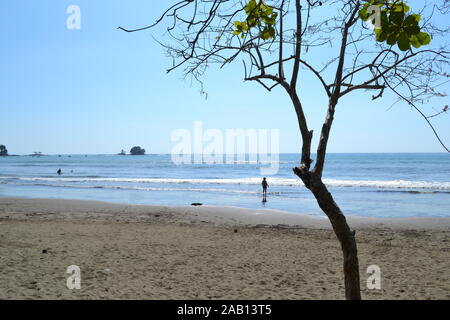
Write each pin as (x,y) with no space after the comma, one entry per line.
(371,185)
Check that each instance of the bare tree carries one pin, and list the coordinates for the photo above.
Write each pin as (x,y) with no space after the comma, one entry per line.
(278,42)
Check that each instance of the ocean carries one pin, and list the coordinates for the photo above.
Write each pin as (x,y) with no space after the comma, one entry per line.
(368,185)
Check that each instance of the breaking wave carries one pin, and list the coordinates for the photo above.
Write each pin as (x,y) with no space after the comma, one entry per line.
(377,184)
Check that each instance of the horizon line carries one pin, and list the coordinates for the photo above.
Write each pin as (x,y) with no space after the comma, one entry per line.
(164,153)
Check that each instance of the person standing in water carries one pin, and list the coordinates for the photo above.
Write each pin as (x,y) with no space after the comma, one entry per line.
(264,186)
(59,172)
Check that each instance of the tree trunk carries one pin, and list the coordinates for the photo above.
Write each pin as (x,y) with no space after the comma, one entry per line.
(342,230)
(344,234)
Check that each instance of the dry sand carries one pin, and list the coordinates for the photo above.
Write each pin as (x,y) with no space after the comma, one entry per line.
(154,252)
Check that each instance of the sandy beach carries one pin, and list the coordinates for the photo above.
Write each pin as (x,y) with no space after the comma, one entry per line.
(154,252)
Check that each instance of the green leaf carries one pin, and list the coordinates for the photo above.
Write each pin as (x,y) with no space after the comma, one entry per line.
(412,19)
(251,21)
(401,7)
(396,17)
(424,38)
(251,5)
(265,34)
(403,42)
(381,36)
(363,14)
(412,30)
(415,41)
(271,32)
(391,39)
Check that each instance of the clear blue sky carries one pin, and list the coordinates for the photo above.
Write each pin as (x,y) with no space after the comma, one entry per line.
(98,90)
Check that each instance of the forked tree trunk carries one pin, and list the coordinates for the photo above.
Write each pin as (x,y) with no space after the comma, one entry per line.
(342,230)
(345,236)
(313,181)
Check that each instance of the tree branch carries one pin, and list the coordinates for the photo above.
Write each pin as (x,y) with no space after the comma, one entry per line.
(333,100)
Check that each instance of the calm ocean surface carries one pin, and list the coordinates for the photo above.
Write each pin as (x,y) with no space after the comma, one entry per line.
(371,185)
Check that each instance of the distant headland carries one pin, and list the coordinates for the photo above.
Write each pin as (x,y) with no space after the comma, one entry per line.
(3,151)
(135,151)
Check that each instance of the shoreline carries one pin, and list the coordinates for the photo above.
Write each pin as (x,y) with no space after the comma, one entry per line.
(221,215)
(155,252)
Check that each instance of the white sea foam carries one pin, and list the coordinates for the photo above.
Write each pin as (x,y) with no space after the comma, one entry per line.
(383,184)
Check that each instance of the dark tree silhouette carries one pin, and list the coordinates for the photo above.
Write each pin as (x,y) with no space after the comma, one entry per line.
(3,150)
(283,43)
(137,151)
